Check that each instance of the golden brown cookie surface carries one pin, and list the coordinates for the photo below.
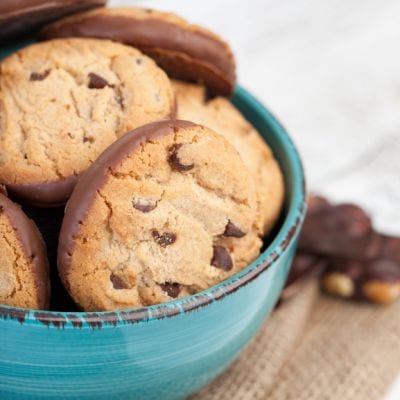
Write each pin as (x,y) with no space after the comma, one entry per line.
(167,211)
(24,275)
(221,116)
(63,102)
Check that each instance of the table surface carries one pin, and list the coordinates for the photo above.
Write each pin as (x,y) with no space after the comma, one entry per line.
(330,71)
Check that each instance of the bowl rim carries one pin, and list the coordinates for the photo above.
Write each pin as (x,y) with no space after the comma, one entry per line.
(283,240)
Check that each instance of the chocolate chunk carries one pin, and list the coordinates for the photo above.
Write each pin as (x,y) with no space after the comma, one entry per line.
(144,205)
(344,230)
(391,247)
(174,160)
(233,231)
(221,258)
(317,204)
(352,220)
(383,269)
(164,239)
(303,264)
(118,282)
(37,76)
(171,288)
(96,81)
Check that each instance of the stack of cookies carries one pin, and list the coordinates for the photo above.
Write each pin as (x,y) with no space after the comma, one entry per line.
(123,115)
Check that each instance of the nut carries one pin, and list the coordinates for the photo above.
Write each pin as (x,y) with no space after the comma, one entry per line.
(381,292)
(338,284)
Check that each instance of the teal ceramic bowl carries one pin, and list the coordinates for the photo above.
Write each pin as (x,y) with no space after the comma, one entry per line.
(165,351)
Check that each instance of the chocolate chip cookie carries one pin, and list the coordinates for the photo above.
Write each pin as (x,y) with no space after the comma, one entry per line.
(24,272)
(184,51)
(63,102)
(220,115)
(166,211)
(19,17)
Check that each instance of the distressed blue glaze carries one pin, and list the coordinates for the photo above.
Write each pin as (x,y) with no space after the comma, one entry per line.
(161,352)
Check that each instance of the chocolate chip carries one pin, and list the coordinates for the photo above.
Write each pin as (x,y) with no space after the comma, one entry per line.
(87,139)
(233,231)
(37,76)
(172,288)
(164,239)
(221,258)
(118,282)
(174,160)
(139,61)
(96,81)
(144,205)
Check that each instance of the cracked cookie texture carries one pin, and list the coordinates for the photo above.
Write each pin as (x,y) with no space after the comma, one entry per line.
(220,114)
(62,102)
(166,211)
(24,271)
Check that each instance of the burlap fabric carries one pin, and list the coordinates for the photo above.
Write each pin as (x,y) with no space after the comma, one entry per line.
(316,348)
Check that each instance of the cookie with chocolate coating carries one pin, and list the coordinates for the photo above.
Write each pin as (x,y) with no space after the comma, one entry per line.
(166,211)
(24,270)
(19,17)
(221,115)
(63,102)
(184,51)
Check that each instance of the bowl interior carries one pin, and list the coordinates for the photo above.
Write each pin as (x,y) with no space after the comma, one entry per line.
(293,213)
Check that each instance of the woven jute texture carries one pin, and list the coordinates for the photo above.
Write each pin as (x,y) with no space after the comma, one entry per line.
(316,348)
(251,376)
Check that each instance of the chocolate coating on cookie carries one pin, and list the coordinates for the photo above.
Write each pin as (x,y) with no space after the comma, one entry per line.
(115,252)
(50,194)
(30,266)
(184,51)
(20,17)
